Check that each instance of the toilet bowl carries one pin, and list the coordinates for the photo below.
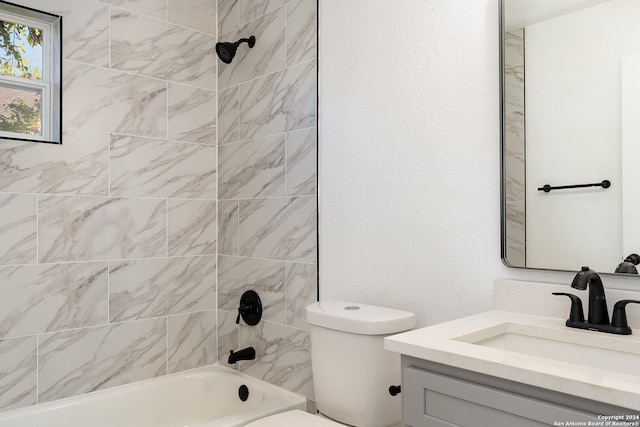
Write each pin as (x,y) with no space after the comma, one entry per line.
(352,372)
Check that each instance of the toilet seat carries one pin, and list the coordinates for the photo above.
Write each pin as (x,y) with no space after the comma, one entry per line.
(295,418)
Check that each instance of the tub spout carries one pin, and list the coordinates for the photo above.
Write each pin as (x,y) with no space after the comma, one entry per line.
(248,353)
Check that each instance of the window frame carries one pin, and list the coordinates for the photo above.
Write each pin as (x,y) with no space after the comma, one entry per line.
(50,87)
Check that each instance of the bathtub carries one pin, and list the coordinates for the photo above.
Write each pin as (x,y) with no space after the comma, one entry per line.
(203,397)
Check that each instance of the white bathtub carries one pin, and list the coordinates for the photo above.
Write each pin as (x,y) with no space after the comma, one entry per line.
(204,397)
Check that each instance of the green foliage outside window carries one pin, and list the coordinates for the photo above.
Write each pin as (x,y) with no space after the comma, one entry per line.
(14,38)
(20,117)
(19,113)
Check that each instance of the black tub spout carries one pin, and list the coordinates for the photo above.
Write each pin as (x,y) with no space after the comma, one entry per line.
(248,353)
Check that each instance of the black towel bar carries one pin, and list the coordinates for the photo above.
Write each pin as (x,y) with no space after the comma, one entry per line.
(604,184)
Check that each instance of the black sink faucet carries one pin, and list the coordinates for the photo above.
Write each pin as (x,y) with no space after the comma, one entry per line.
(598,314)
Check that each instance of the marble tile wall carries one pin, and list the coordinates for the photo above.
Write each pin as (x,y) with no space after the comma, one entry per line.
(267,236)
(108,242)
(515,148)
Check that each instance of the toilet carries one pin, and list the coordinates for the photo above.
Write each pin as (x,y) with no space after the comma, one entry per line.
(352,372)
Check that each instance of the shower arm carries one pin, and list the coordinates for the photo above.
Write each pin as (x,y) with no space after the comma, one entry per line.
(239,42)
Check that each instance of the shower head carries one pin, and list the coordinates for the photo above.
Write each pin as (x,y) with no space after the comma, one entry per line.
(226,50)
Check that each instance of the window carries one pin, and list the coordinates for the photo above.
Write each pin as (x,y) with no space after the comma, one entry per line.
(30,74)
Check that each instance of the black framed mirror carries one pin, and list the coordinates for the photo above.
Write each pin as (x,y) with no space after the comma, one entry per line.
(570,105)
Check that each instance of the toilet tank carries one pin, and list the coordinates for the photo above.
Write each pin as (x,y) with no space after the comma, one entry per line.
(352,371)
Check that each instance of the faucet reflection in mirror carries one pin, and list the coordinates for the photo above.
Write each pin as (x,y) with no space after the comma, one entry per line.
(598,318)
(628,266)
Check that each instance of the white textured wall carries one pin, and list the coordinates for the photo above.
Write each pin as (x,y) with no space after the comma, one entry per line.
(409,156)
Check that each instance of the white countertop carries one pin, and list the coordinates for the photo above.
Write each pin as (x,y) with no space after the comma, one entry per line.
(442,344)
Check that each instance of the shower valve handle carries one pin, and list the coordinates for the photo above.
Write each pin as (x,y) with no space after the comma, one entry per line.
(244,309)
(250,308)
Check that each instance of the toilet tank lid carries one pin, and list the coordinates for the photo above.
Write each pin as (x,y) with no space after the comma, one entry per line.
(359,318)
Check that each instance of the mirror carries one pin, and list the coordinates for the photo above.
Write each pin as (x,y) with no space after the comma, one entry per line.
(571,118)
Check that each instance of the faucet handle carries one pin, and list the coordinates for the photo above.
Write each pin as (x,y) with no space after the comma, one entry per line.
(250,308)
(619,319)
(576,314)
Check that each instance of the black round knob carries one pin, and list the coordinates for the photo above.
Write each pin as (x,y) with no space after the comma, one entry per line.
(243,393)
(394,390)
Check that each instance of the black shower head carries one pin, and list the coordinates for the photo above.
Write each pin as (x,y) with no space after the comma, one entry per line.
(226,50)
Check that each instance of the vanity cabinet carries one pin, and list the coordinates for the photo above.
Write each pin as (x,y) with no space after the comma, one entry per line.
(436,395)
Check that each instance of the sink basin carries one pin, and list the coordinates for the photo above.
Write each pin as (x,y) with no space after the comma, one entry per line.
(533,350)
(560,347)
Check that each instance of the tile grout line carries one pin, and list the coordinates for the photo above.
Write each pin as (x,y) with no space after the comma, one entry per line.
(37,369)
(158,258)
(285,68)
(110,11)
(143,76)
(238,232)
(162,21)
(108,292)
(37,228)
(217,142)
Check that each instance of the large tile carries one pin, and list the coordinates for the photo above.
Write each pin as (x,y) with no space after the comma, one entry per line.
(283,356)
(514,48)
(228,116)
(252,9)
(77,166)
(302,31)
(99,228)
(197,14)
(18,229)
(192,341)
(118,102)
(237,275)
(516,256)
(227,336)
(143,167)
(302,290)
(514,133)
(18,381)
(85,28)
(228,227)
(155,8)
(514,88)
(46,298)
(85,360)
(86,32)
(227,15)
(514,179)
(192,114)
(159,287)
(515,218)
(252,169)
(280,102)
(268,54)
(281,228)
(192,227)
(149,47)
(301,162)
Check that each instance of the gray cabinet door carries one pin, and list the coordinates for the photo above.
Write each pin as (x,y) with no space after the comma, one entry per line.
(434,400)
